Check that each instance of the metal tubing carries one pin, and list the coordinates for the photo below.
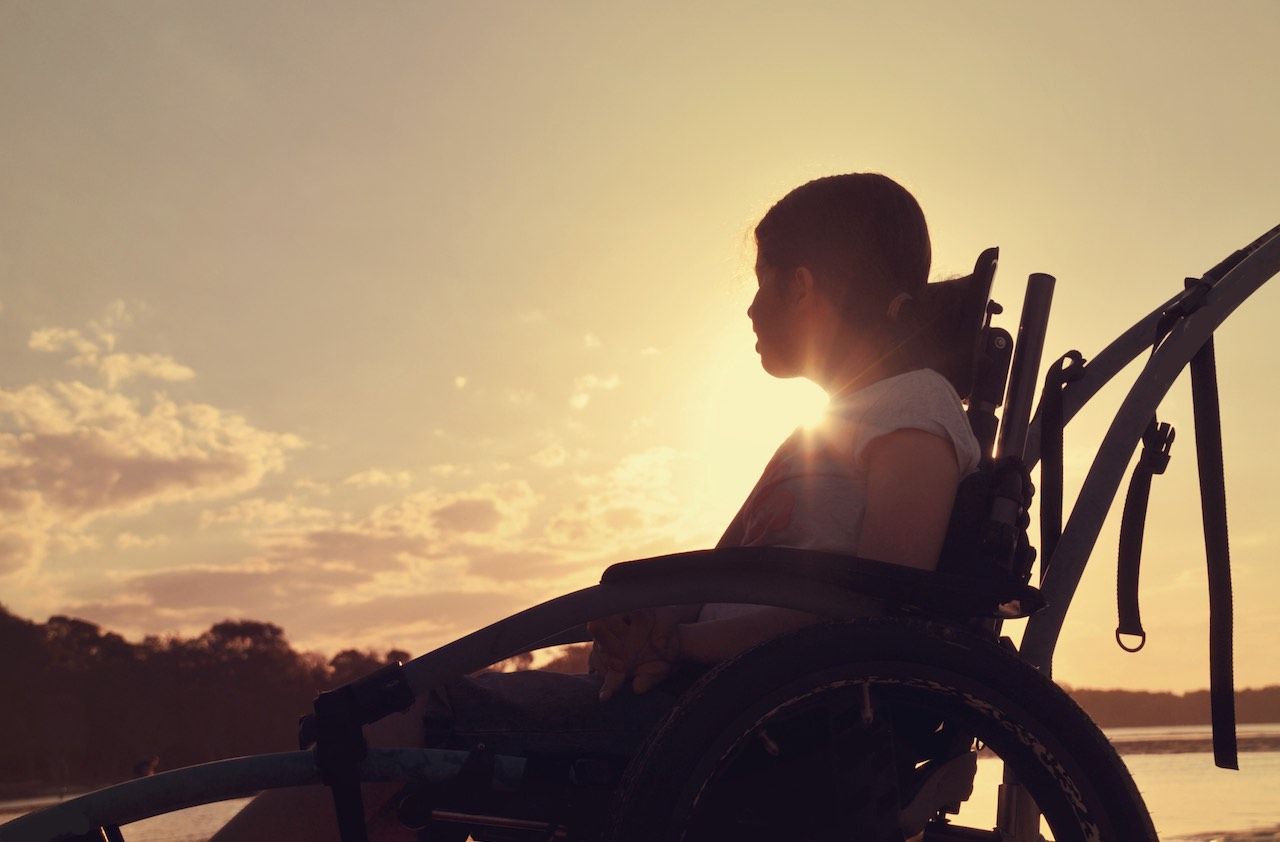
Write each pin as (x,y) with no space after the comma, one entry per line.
(238,777)
(1108,468)
(519,632)
(1024,376)
(1099,371)
(1111,360)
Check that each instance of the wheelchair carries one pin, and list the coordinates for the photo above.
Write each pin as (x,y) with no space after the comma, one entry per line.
(862,727)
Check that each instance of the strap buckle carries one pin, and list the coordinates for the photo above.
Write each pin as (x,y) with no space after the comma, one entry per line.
(1157,442)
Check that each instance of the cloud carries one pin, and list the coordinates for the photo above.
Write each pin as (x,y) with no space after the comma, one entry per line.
(261,512)
(430,565)
(551,456)
(413,533)
(353,546)
(117,368)
(374,478)
(53,340)
(520,565)
(70,453)
(242,589)
(633,502)
(116,317)
(317,599)
(114,367)
(469,516)
(130,540)
(590,341)
(583,387)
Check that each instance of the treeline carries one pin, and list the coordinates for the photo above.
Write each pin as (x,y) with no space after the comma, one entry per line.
(1133,708)
(81,706)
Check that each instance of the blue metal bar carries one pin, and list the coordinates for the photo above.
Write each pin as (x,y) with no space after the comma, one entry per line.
(238,777)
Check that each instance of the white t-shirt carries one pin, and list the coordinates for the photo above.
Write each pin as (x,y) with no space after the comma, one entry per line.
(812,494)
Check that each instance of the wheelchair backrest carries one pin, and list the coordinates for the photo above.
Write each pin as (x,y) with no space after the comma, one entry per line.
(986,537)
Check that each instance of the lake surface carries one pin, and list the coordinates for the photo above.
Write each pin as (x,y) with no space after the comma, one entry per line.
(1188,796)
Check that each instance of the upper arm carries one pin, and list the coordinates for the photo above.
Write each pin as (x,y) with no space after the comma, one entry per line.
(912,478)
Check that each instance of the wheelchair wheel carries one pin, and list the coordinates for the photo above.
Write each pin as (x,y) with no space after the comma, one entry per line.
(753,750)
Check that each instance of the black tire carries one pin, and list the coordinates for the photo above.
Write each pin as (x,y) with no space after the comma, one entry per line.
(1075,776)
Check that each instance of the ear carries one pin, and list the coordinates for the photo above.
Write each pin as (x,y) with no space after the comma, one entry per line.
(802,285)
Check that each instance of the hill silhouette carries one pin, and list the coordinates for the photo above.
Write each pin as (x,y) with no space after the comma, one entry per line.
(86,707)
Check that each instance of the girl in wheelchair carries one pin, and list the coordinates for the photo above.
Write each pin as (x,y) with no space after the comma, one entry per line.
(843,300)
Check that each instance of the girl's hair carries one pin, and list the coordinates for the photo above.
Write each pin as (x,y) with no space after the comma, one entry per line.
(864,238)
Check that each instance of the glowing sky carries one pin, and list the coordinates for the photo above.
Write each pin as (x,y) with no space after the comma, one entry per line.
(382,321)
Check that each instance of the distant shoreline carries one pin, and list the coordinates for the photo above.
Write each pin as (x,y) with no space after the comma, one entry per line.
(1193,744)
(1258,834)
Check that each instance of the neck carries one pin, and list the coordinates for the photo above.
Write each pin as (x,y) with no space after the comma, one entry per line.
(853,362)
(861,366)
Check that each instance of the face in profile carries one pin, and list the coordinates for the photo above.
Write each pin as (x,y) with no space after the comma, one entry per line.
(775,318)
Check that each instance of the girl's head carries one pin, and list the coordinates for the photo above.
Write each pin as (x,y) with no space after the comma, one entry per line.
(862,235)
(840,260)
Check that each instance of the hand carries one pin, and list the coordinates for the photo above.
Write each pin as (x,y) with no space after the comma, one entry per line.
(638,645)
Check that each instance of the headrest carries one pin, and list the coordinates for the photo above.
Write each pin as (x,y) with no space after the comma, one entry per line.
(961,337)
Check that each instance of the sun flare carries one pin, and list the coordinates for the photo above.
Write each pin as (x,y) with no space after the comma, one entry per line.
(741,414)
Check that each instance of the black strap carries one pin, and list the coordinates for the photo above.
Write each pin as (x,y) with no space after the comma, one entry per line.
(1213,507)
(1066,369)
(1155,455)
(1156,442)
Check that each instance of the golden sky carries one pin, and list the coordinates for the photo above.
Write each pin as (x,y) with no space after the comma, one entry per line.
(382,321)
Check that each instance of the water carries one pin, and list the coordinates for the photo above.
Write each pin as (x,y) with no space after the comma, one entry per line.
(1188,796)
(194,824)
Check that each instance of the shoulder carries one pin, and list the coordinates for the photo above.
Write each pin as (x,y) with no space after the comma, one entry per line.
(917,400)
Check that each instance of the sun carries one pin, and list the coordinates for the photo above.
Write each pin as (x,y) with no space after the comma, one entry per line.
(740,415)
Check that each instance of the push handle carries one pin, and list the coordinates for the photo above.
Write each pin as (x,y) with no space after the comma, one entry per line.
(1024,374)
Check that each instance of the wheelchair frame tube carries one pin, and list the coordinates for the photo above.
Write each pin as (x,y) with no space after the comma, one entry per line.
(1098,372)
(1024,375)
(1107,471)
(236,778)
(546,624)
(1112,359)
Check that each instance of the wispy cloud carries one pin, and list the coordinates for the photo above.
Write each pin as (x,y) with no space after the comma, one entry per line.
(631,503)
(584,386)
(375,478)
(551,456)
(99,354)
(117,368)
(131,540)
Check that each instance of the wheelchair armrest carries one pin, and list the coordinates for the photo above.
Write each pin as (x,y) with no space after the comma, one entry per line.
(823,583)
(937,593)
